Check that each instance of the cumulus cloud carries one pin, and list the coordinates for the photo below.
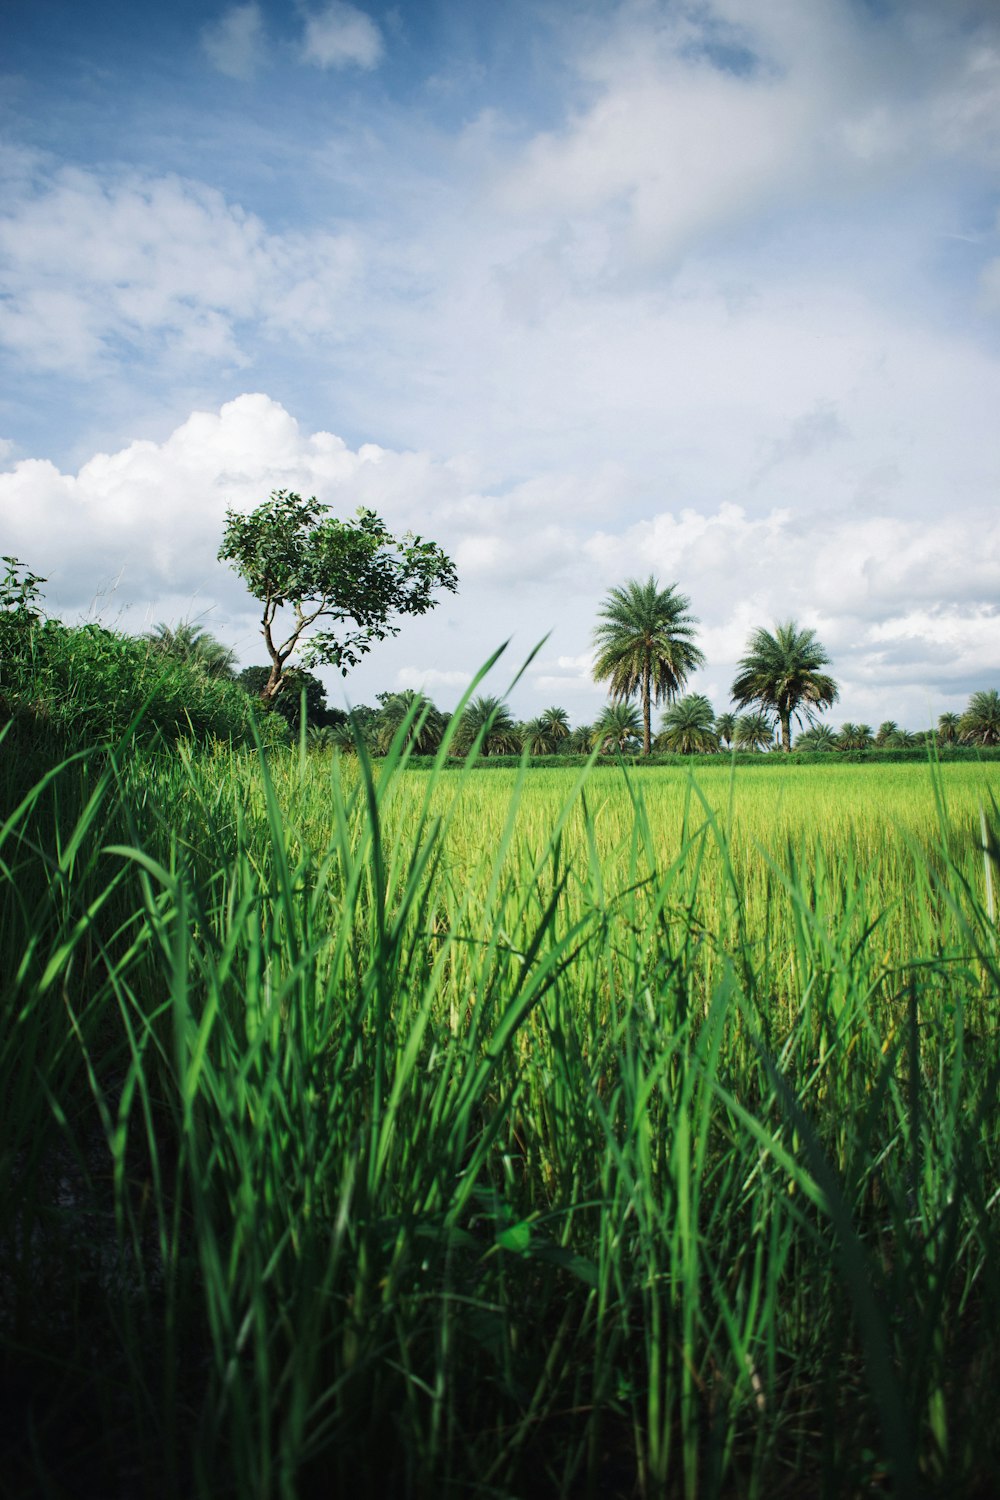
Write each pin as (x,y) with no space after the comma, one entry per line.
(93,263)
(234,43)
(693,120)
(342,36)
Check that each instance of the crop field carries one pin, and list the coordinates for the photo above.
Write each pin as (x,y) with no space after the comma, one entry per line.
(376,1131)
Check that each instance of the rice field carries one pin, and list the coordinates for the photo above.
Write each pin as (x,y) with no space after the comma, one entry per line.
(374,1131)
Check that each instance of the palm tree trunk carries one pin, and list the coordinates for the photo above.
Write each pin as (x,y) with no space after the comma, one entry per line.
(786,732)
(646,689)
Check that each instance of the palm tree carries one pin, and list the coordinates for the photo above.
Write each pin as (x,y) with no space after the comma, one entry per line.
(855,736)
(887,734)
(618,727)
(781,672)
(725,728)
(645,645)
(580,740)
(492,717)
(817,737)
(688,726)
(949,728)
(337,737)
(754,732)
(556,722)
(981,720)
(194,645)
(425,730)
(535,737)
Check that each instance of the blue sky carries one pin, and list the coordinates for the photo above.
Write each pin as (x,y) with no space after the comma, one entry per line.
(582,291)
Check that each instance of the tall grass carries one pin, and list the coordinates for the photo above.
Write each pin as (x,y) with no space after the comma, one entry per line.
(374,1134)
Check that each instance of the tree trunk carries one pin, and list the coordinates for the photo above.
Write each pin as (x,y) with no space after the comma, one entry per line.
(786,732)
(646,739)
(272,686)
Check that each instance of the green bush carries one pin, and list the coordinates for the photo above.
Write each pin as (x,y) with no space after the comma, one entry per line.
(740,758)
(81,685)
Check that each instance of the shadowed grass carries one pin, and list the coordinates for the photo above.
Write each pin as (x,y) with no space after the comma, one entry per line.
(503,1135)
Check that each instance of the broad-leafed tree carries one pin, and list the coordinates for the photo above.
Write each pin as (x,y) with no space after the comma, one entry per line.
(328,588)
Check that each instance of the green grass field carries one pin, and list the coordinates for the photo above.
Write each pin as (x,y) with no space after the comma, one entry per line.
(374,1132)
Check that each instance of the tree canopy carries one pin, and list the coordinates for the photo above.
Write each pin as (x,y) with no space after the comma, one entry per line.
(688,726)
(354,575)
(781,672)
(754,731)
(195,645)
(980,724)
(645,645)
(491,718)
(289,705)
(618,728)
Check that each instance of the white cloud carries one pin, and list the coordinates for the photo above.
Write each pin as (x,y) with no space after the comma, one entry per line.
(234,43)
(341,36)
(690,121)
(426,679)
(92,264)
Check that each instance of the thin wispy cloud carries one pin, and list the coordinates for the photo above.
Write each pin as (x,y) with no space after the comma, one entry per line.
(235,43)
(341,36)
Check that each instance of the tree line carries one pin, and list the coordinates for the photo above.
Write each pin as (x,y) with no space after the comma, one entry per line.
(689,725)
(645,648)
(329,589)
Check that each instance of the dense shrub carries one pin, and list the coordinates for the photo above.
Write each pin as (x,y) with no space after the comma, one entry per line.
(739,758)
(72,685)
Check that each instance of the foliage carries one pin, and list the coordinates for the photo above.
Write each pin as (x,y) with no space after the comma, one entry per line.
(66,686)
(534,736)
(645,646)
(288,704)
(354,574)
(781,672)
(488,720)
(555,722)
(688,726)
(194,645)
(855,737)
(618,728)
(725,728)
(980,724)
(19,591)
(818,737)
(754,731)
(949,728)
(20,594)
(426,723)
(579,740)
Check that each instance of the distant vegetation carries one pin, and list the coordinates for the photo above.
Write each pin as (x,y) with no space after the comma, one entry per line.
(86,684)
